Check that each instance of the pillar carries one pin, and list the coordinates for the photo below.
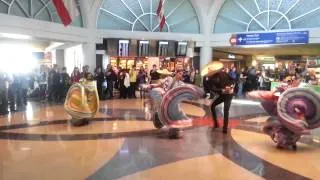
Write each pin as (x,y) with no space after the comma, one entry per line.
(89,55)
(205,55)
(59,54)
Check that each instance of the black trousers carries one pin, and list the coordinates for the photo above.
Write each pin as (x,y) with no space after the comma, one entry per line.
(226,99)
(123,92)
(100,92)
(132,90)
(109,89)
(42,94)
(3,102)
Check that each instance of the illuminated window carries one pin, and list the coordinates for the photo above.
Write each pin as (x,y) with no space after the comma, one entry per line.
(123,48)
(163,48)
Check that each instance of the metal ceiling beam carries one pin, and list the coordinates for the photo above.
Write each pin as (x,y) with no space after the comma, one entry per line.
(5,2)
(235,20)
(249,14)
(117,16)
(22,8)
(305,14)
(141,6)
(135,15)
(257,5)
(174,9)
(45,5)
(284,14)
(279,5)
(151,19)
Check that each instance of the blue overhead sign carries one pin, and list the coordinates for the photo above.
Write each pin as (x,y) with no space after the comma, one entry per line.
(290,37)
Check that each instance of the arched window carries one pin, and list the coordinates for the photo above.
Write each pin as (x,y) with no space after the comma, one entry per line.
(35,9)
(267,15)
(140,15)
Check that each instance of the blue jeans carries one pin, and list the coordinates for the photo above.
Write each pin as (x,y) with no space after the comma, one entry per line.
(240,89)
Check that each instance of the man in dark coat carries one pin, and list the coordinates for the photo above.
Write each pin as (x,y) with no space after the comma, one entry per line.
(222,86)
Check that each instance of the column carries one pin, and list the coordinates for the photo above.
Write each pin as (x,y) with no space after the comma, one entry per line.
(89,17)
(89,55)
(205,55)
(59,54)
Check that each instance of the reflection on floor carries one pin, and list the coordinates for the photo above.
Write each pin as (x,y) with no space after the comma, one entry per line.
(121,143)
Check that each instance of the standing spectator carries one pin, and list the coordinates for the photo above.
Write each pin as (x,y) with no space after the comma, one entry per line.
(197,78)
(99,77)
(85,72)
(133,82)
(52,74)
(13,92)
(154,75)
(233,74)
(75,75)
(123,85)
(283,74)
(57,81)
(266,81)
(142,76)
(260,81)
(126,83)
(24,86)
(141,79)
(64,83)
(206,85)
(252,79)
(276,74)
(242,81)
(192,75)
(3,94)
(313,80)
(111,77)
(43,81)
(186,76)
(117,73)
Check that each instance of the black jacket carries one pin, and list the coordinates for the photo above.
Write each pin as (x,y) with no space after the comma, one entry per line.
(219,81)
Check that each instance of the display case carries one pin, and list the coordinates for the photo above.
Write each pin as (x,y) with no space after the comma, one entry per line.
(142,62)
(171,66)
(139,64)
(123,63)
(114,62)
(130,63)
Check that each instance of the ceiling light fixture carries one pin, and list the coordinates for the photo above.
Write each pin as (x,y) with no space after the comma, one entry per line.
(15,36)
(53,46)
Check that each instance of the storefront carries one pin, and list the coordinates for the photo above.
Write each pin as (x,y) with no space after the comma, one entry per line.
(123,62)
(267,62)
(229,60)
(313,64)
(290,63)
(143,53)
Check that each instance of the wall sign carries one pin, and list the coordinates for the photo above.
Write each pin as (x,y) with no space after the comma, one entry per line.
(289,37)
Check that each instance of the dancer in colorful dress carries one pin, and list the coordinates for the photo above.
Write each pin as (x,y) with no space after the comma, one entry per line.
(82,101)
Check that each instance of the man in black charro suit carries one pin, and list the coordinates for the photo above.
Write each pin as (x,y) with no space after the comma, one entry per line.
(221,87)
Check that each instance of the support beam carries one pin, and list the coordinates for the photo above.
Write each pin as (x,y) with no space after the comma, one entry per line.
(205,56)
(89,54)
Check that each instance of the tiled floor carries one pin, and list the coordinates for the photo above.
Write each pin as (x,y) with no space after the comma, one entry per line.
(121,143)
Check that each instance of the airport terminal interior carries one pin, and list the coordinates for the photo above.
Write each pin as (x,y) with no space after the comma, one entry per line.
(159,89)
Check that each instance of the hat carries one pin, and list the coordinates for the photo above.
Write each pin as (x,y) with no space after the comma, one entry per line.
(211,68)
(288,78)
(164,72)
